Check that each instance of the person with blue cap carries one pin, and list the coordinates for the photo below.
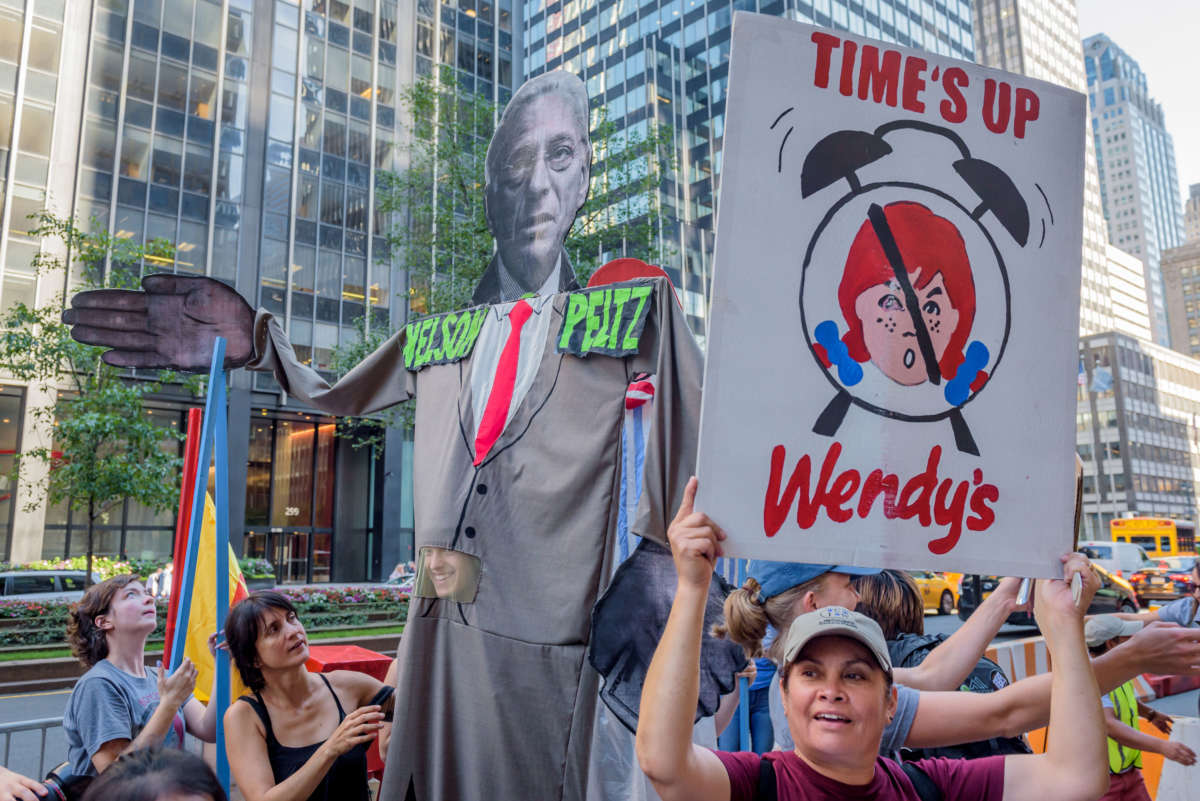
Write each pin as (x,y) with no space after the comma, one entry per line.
(789,586)
(777,592)
(838,689)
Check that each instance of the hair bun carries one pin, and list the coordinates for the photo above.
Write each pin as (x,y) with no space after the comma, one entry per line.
(753,589)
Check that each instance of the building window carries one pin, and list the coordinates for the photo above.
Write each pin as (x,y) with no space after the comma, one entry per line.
(290,495)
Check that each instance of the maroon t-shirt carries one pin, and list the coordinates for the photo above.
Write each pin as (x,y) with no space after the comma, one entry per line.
(959,779)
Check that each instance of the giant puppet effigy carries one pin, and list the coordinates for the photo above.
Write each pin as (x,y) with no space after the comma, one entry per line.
(517,463)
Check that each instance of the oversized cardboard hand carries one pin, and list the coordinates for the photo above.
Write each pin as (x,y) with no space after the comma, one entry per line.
(171,323)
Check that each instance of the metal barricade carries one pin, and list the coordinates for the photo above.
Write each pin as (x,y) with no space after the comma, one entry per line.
(42,725)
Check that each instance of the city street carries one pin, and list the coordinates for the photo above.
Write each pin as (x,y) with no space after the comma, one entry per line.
(24,749)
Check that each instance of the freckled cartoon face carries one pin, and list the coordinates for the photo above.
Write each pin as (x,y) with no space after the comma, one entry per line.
(888,331)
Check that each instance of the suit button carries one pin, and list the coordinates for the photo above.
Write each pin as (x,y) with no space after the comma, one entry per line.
(470,532)
(481,489)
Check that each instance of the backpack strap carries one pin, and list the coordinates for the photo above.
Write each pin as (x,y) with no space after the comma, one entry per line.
(926,789)
(766,789)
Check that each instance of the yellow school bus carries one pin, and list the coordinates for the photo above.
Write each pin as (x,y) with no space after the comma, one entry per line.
(1158,536)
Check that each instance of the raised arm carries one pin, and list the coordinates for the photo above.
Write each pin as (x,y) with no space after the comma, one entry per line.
(678,768)
(948,718)
(201,719)
(173,691)
(1074,765)
(252,770)
(1135,738)
(173,321)
(950,663)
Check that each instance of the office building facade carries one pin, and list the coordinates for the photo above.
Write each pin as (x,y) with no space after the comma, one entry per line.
(1127,292)
(668,60)
(1137,414)
(1181,280)
(252,134)
(1191,214)
(1040,38)
(1135,157)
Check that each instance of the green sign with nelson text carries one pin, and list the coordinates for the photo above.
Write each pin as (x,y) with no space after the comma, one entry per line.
(442,338)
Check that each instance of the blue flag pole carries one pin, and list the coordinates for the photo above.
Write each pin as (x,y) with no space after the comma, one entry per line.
(216,378)
(744,712)
(743,683)
(214,442)
(221,501)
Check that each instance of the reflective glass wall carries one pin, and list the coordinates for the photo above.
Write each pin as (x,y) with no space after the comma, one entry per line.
(669,60)
(30,50)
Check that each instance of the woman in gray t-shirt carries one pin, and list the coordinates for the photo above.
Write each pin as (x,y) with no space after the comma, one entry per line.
(121,705)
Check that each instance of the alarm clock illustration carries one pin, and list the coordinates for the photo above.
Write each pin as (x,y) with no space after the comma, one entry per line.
(905,299)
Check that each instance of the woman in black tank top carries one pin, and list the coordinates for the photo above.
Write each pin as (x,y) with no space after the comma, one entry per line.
(293,739)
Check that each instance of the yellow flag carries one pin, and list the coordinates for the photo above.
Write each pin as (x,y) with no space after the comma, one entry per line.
(202,620)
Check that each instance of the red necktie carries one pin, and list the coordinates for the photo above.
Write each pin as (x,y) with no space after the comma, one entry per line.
(496,412)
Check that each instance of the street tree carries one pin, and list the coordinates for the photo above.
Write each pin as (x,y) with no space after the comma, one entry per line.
(441,237)
(103,449)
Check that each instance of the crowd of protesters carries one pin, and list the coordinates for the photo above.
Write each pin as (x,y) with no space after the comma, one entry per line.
(834,691)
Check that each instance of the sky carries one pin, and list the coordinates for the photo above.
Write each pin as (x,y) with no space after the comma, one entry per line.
(1162,36)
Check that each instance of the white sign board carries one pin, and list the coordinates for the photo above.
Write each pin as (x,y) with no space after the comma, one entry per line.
(893,353)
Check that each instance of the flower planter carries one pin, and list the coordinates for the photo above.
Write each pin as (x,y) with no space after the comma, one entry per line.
(253,584)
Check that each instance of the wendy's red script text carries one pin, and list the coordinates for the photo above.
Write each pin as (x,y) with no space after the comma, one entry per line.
(932,500)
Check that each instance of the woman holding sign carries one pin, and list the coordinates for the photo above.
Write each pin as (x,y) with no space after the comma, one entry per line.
(837,687)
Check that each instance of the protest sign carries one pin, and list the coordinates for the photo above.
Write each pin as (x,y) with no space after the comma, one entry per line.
(895,308)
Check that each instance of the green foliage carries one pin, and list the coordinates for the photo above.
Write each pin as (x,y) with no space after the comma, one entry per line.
(256,568)
(106,567)
(367,431)
(443,238)
(103,448)
(142,568)
(38,622)
(621,215)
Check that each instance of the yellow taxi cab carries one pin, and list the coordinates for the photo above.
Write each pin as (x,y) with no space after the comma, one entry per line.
(936,590)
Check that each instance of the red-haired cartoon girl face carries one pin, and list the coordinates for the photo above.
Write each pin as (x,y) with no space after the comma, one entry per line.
(881,326)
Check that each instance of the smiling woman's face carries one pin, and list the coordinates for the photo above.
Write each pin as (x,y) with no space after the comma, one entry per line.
(837,701)
(888,330)
(447,569)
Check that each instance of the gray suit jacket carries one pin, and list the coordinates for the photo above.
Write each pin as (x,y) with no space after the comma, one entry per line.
(495,698)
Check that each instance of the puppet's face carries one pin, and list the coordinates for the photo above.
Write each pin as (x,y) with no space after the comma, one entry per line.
(888,330)
(541,181)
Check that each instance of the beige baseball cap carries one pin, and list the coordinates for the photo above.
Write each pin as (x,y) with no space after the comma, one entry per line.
(1102,628)
(841,622)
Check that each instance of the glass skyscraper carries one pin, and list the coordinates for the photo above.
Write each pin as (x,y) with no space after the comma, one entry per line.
(1136,429)
(1136,159)
(252,134)
(39,64)
(1040,38)
(668,60)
